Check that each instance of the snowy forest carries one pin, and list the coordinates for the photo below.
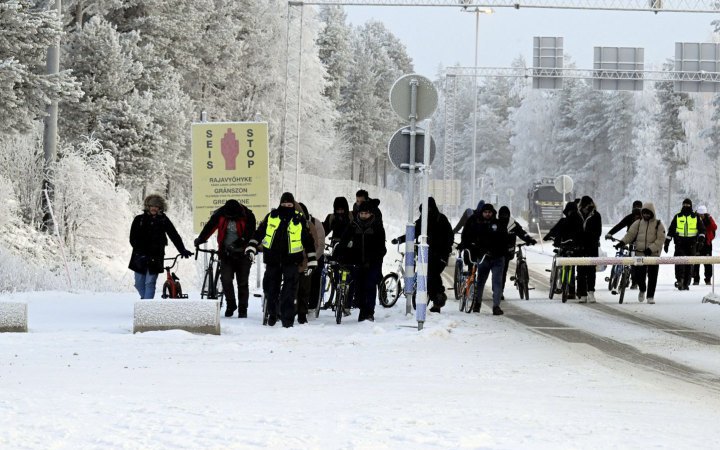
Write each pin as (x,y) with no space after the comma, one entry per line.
(135,74)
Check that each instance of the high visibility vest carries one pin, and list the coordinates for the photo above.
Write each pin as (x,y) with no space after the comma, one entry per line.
(686,226)
(294,234)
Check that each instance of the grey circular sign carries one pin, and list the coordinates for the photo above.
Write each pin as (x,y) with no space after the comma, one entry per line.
(564,184)
(399,148)
(426,97)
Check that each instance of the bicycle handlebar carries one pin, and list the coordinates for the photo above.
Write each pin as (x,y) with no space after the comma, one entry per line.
(174,260)
(212,251)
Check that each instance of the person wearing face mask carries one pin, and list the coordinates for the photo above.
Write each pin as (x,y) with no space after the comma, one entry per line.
(685,230)
(283,235)
(648,234)
(363,245)
(515,230)
(588,241)
(335,224)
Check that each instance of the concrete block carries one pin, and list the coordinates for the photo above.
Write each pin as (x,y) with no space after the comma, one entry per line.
(13,317)
(711,298)
(195,316)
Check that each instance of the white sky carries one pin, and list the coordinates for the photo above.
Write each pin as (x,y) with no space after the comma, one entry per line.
(444,35)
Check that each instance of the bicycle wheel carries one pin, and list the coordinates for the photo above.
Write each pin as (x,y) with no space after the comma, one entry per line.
(266,313)
(390,290)
(178,290)
(553,279)
(321,294)
(624,283)
(469,293)
(166,290)
(204,289)
(522,278)
(458,279)
(339,303)
(565,284)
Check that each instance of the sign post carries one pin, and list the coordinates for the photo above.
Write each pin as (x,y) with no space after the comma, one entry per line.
(413,98)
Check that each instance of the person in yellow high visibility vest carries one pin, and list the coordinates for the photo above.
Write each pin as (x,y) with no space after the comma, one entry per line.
(283,235)
(686,230)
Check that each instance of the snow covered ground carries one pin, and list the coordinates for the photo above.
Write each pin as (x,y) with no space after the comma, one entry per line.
(80,379)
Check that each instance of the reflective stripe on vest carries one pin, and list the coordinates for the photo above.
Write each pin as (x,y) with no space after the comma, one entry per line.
(294,234)
(686,226)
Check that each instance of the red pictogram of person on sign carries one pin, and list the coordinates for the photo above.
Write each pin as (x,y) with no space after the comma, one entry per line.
(230,149)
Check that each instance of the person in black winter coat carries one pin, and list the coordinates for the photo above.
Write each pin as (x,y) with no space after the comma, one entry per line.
(363,245)
(485,236)
(440,241)
(148,237)
(687,230)
(515,230)
(362,196)
(235,226)
(588,242)
(564,233)
(336,223)
(283,235)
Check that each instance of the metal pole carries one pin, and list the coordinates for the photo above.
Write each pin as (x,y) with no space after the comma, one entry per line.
(421,299)
(473,200)
(50,126)
(283,134)
(410,227)
(299,94)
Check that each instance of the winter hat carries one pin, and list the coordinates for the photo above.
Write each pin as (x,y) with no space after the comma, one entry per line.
(504,211)
(637,204)
(340,203)
(365,206)
(687,201)
(232,208)
(487,207)
(480,205)
(155,200)
(287,198)
(702,209)
(569,208)
(586,201)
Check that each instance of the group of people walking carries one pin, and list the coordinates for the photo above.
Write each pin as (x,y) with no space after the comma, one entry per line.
(293,244)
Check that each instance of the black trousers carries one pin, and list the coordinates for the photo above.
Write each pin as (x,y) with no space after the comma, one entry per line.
(652,276)
(684,247)
(585,280)
(280,286)
(435,287)
(706,251)
(238,269)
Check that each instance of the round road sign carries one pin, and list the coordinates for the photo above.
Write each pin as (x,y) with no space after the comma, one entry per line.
(426,98)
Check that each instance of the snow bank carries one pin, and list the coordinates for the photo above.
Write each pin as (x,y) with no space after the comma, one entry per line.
(13,317)
(196,316)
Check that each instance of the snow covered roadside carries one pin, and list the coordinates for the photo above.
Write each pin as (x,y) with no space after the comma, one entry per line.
(80,379)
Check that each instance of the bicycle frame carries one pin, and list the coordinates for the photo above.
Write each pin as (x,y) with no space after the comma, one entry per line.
(171,287)
(211,279)
(522,275)
(619,278)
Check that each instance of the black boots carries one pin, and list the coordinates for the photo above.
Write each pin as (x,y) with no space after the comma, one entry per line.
(302,318)
(230,310)
(497,311)
(242,313)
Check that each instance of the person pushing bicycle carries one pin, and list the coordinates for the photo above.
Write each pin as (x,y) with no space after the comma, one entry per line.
(484,235)
(235,225)
(515,230)
(626,221)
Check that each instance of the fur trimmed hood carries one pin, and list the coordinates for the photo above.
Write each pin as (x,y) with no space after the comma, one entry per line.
(155,200)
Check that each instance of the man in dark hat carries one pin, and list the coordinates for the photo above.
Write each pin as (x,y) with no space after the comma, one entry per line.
(486,238)
(149,234)
(686,230)
(235,226)
(283,235)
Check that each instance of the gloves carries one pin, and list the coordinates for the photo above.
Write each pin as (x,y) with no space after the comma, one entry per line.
(312,265)
(532,242)
(308,272)
(184,253)
(647,252)
(666,247)
(619,245)
(250,253)
(394,241)
(547,238)
(608,236)
(198,242)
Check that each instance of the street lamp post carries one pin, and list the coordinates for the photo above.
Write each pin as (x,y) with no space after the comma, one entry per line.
(477,12)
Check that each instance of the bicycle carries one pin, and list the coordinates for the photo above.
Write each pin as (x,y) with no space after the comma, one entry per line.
(210,289)
(469,298)
(341,288)
(391,286)
(172,287)
(562,277)
(619,278)
(327,283)
(459,276)
(522,275)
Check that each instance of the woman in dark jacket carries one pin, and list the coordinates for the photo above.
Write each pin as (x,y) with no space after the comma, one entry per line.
(148,237)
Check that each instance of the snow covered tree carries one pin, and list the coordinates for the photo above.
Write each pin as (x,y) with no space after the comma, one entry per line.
(334,50)
(25,88)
